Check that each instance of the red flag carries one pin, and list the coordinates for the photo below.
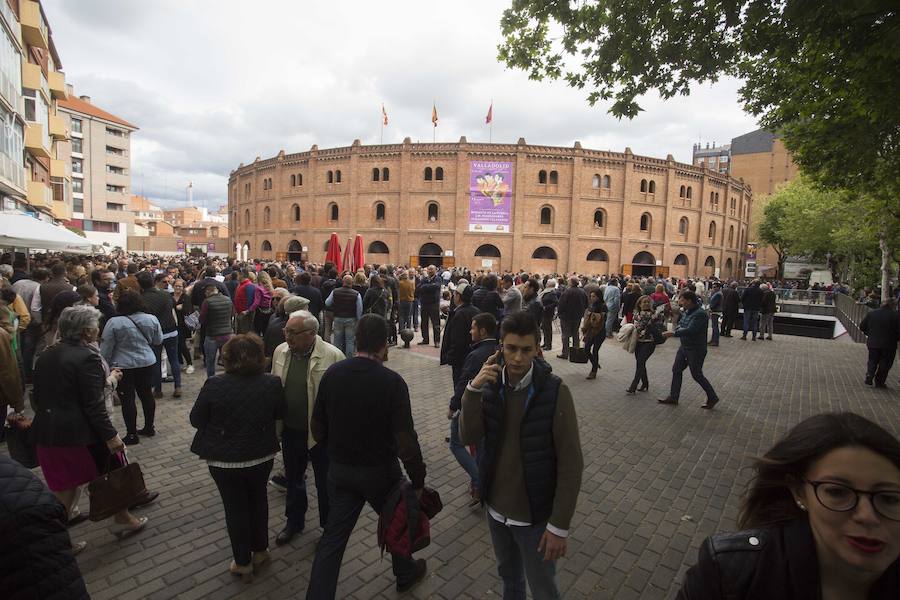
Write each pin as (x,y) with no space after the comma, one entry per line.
(434,117)
(490,115)
(383,112)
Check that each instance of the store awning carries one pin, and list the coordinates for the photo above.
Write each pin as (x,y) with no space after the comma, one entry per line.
(18,230)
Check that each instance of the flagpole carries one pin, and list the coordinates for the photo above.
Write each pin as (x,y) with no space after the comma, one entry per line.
(434,122)
(491,130)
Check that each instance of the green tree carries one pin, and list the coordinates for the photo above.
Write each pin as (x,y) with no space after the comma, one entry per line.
(770,229)
(822,74)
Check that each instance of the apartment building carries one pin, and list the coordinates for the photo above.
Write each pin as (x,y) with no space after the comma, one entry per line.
(34,174)
(715,158)
(101,171)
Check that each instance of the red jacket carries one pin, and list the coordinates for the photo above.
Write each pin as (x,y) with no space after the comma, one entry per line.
(243,297)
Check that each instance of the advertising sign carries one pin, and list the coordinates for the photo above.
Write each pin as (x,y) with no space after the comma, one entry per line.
(211,247)
(490,196)
(750,260)
(179,245)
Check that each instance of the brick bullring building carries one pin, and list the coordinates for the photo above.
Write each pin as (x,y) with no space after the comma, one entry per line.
(504,206)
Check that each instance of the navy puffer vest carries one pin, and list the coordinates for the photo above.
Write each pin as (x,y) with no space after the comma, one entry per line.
(536,438)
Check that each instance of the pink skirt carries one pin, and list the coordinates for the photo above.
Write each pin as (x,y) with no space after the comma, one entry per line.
(66,467)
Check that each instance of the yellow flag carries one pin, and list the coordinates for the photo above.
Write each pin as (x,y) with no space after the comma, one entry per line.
(434,117)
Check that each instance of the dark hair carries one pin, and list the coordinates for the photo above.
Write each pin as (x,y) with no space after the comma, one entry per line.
(371,333)
(486,322)
(507,278)
(86,291)
(689,296)
(129,303)
(58,269)
(131,269)
(244,354)
(159,277)
(8,295)
(377,281)
(519,323)
(145,280)
(210,272)
(40,274)
(60,302)
(303,278)
(490,282)
(769,500)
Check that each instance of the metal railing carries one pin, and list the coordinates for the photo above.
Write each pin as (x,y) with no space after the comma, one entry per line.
(850,313)
(801,296)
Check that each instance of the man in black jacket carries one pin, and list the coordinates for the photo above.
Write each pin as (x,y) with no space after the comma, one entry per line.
(572,304)
(457,333)
(362,414)
(882,328)
(484,344)
(731,302)
(303,288)
(751,299)
(428,292)
(530,302)
(549,298)
(161,305)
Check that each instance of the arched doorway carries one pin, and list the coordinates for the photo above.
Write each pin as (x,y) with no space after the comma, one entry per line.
(431,254)
(709,267)
(544,260)
(729,269)
(643,264)
(294,251)
(600,258)
(489,255)
(680,267)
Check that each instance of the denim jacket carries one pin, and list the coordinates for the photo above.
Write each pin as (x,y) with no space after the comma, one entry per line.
(127,341)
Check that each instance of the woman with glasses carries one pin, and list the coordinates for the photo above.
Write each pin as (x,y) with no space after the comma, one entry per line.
(821,520)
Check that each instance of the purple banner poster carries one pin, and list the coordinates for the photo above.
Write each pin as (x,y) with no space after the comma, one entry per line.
(490,196)
(179,245)
(211,247)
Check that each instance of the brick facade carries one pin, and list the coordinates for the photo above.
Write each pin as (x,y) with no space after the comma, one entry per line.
(266,198)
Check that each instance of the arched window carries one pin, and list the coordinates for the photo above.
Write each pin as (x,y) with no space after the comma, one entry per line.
(433,211)
(439,174)
(376,174)
(607,181)
(598,255)
(731,235)
(544,253)
(596,182)
(645,222)
(710,262)
(599,218)
(385,174)
(379,211)
(293,180)
(333,212)
(644,186)
(733,207)
(689,192)
(712,230)
(683,226)
(378,248)
(299,179)
(329,177)
(681,192)
(712,200)
(681,260)
(295,246)
(267,215)
(643,258)
(651,187)
(266,246)
(427,173)
(337,176)
(295,212)
(729,267)
(554,177)
(488,251)
(542,176)
(546,215)
(247,217)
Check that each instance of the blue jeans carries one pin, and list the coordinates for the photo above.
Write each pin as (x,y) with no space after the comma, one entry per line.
(465,460)
(211,347)
(751,322)
(612,318)
(714,319)
(345,335)
(296,456)
(171,346)
(518,558)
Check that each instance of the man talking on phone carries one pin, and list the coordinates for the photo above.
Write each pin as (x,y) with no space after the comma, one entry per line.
(530,469)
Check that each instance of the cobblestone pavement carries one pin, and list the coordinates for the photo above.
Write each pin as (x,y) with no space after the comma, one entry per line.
(658,479)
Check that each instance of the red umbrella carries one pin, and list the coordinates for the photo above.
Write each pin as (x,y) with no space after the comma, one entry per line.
(334,251)
(358,257)
(348,258)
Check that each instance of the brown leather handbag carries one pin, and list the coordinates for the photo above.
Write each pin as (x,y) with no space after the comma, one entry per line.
(116,489)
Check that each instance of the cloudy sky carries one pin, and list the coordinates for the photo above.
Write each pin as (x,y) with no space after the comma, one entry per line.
(214,83)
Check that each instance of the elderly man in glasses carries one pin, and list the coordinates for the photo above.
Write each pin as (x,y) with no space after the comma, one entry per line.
(300,362)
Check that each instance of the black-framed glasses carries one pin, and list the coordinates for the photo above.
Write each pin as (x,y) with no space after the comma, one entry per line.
(843,498)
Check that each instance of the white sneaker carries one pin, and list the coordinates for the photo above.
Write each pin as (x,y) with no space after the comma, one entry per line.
(189,370)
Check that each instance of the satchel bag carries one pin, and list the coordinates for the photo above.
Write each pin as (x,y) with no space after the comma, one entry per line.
(21,447)
(192,321)
(577,354)
(430,502)
(116,490)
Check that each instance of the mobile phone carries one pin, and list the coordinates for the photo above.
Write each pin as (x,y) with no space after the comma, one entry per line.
(500,356)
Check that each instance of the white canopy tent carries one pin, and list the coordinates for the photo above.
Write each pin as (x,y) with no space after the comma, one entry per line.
(18,230)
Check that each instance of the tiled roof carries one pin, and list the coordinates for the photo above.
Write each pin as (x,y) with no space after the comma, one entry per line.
(76,104)
(753,142)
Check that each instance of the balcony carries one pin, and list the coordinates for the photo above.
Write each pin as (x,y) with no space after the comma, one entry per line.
(12,176)
(34,28)
(39,194)
(58,169)
(58,128)
(34,140)
(57,83)
(61,210)
(31,76)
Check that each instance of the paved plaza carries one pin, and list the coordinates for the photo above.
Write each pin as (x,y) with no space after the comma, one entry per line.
(657,480)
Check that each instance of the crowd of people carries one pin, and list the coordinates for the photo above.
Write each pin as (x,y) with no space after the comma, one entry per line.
(294,362)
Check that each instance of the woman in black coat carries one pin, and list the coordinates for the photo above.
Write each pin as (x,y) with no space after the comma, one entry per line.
(235,416)
(821,520)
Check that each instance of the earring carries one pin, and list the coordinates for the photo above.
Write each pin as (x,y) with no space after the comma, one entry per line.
(800,504)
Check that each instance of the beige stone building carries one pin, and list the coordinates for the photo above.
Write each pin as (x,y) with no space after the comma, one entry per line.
(762,161)
(572,209)
(101,171)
